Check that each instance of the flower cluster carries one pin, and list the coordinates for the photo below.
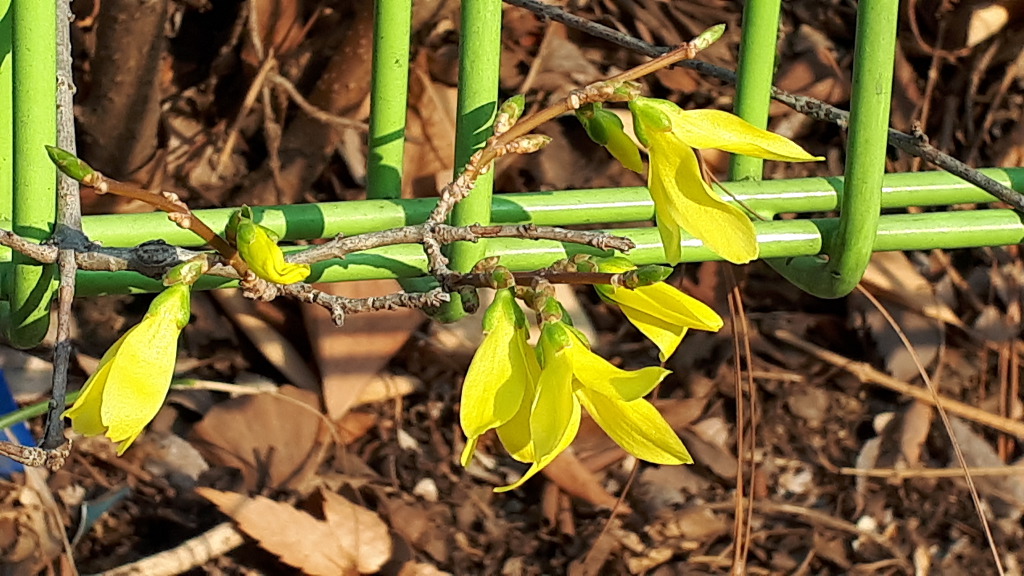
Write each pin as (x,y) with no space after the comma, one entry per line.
(534,397)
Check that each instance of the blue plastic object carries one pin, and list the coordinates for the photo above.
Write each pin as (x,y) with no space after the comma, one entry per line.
(18,433)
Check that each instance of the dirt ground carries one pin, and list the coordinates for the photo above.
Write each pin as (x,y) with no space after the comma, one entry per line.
(345,446)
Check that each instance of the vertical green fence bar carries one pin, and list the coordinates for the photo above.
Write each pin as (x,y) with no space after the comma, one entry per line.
(6,151)
(35,124)
(479,60)
(389,88)
(849,251)
(754,77)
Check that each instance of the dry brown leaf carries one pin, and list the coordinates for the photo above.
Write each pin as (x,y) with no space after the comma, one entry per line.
(918,317)
(430,141)
(719,460)
(30,527)
(893,274)
(314,546)
(985,22)
(272,344)
(917,422)
(1005,494)
(575,479)
(355,425)
(421,526)
(359,531)
(925,335)
(350,357)
(412,568)
(274,441)
(697,522)
(386,387)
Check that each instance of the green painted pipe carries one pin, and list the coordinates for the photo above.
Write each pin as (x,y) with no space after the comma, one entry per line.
(778,239)
(34,81)
(754,73)
(389,88)
(479,62)
(768,198)
(850,249)
(6,153)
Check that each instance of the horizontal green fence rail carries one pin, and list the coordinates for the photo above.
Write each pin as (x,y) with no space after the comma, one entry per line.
(607,208)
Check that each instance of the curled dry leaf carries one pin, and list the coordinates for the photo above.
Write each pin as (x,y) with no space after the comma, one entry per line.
(30,531)
(352,540)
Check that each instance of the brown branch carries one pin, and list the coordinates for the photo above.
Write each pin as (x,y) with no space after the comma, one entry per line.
(313,111)
(69,229)
(339,247)
(42,253)
(179,211)
(339,306)
(552,276)
(36,457)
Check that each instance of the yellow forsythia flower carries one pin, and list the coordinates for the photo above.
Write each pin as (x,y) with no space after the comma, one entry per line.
(682,198)
(573,377)
(258,247)
(659,311)
(130,386)
(500,383)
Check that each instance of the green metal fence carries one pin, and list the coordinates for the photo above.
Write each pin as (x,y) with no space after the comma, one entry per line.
(824,256)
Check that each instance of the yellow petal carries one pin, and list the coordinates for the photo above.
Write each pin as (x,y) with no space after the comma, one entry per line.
(555,416)
(515,434)
(264,256)
(676,182)
(593,371)
(725,131)
(662,313)
(668,224)
(674,305)
(85,413)
(469,450)
(551,414)
(665,335)
(139,378)
(637,427)
(500,377)
(491,392)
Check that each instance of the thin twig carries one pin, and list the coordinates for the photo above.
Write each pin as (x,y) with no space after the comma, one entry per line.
(314,112)
(944,417)
(188,555)
(911,144)
(250,98)
(339,306)
(69,230)
(600,91)
(443,234)
(32,456)
(42,253)
(909,473)
(869,375)
(181,214)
